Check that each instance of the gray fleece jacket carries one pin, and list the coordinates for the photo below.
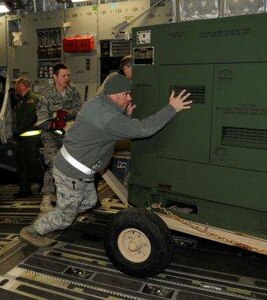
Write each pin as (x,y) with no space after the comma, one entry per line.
(98,126)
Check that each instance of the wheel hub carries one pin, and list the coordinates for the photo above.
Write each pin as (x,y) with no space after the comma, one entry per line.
(134,245)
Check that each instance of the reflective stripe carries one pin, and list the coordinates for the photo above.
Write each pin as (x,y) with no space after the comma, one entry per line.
(59,131)
(75,163)
(31,133)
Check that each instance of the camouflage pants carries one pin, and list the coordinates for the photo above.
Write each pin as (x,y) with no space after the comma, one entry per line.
(73,196)
(52,143)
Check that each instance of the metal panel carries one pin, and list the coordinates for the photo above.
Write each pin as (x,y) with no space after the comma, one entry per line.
(96,20)
(195,166)
(112,14)
(82,20)
(223,39)
(24,58)
(3,60)
(187,136)
(240,102)
(87,89)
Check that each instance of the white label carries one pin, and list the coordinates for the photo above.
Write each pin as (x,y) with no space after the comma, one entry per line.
(143,37)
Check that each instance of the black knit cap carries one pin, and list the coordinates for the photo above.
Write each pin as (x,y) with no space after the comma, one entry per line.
(116,83)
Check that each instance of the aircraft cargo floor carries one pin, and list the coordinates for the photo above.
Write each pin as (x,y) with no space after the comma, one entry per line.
(76,267)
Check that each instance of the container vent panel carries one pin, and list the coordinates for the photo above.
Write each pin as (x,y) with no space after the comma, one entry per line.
(198,92)
(244,137)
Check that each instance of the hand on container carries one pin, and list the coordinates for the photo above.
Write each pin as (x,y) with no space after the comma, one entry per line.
(178,102)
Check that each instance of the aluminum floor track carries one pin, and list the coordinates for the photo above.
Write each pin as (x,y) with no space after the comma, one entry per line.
(76,267)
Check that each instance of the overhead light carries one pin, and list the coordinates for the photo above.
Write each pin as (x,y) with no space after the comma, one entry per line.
(3,8)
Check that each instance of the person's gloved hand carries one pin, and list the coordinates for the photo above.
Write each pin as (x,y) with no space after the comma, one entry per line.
(62,114)
(57,124)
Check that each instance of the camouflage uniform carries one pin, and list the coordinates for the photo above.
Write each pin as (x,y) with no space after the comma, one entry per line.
(80,194)
(28,158)
(88,147)
(49,103)
(91,141)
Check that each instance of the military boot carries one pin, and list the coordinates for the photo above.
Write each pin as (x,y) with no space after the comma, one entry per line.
(46,205)
(30,235)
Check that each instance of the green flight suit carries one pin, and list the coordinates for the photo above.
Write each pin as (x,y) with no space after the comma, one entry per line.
(29,168)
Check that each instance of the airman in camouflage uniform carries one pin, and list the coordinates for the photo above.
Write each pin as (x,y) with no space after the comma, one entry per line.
(88,147)
(63,97)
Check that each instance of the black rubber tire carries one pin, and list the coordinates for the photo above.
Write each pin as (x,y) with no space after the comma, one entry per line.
(153,228)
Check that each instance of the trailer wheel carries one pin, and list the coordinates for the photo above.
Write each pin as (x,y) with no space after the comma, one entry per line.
(138,243)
